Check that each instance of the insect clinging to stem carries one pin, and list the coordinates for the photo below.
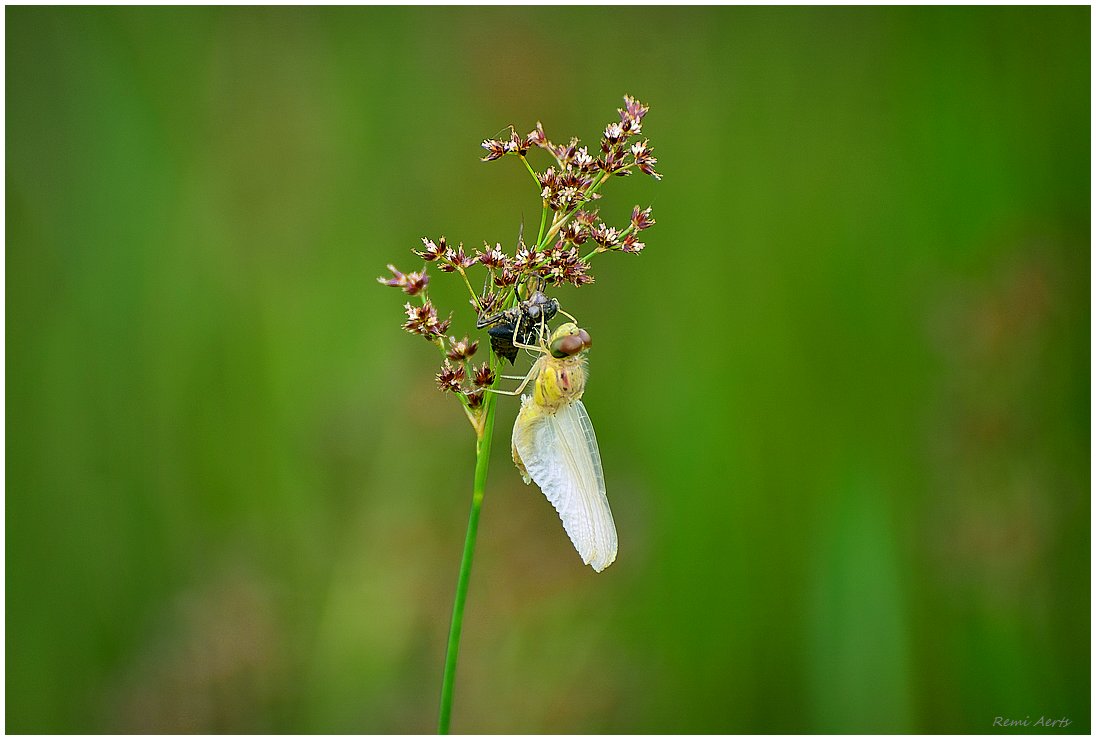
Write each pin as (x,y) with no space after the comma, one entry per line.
(521,325)
(554,445)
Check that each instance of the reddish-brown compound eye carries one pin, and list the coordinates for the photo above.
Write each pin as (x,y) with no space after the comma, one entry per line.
(567,346)
(571,344)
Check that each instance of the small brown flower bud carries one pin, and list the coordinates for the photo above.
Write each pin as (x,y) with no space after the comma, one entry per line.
(491,257)
(461,349)
(495,149)
(606,236)
(460,260)
(633,110)
(566,152)
(583,161)
(631,128)
(549,184)
(397,281)
(518,144)
(537,137)
(644,159)
(423,320)
(506,277)
(474,398)
(412,283)
(450,377)
(632,245)
(642,219)
(578,274)
(525,259)
(574,232)
(612,162)
(585,218)
(614,132)
(416,282)
(433,250)
(483,375)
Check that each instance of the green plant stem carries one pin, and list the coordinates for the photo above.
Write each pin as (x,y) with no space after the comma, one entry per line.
(543,216)
(475,298)
(530,168)
(483,456)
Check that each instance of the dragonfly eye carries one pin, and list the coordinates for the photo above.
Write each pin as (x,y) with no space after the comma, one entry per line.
(571,344)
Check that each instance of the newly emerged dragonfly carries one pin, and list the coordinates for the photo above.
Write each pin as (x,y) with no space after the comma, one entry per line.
(554,444)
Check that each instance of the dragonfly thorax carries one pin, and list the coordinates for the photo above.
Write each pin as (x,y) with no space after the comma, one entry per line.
(559,381)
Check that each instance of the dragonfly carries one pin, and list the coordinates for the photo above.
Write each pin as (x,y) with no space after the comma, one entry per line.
(554,445)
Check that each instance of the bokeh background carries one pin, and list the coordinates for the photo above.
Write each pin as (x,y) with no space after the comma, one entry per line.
(842,398)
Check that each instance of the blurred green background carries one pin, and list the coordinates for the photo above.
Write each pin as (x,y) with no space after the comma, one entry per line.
(842,398)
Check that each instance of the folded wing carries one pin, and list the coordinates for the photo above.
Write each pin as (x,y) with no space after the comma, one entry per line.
(559,451)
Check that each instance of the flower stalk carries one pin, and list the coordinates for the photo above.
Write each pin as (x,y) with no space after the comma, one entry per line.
(479,485)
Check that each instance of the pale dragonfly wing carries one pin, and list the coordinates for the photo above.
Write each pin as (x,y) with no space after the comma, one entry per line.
(559,451)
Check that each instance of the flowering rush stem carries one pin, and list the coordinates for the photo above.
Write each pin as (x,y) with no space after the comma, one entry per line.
(479,484)
(513,294)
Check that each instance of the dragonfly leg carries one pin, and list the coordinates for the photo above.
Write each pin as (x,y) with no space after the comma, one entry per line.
(572,318)
(533,347)
(520,345)
(517,390)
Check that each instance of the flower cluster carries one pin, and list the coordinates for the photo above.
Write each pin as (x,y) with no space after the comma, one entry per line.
(423,320)
(571,233)
(448,259)
(459,375)
(412,283)
(577,174)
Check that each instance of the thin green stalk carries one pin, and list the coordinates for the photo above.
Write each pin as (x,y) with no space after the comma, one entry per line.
(543,216)
(464,277)
(530,168)
(483,456)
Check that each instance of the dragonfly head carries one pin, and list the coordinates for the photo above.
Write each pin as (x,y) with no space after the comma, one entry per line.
(568,340)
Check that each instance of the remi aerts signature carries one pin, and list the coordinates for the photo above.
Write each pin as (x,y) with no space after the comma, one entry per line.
(1026,722)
